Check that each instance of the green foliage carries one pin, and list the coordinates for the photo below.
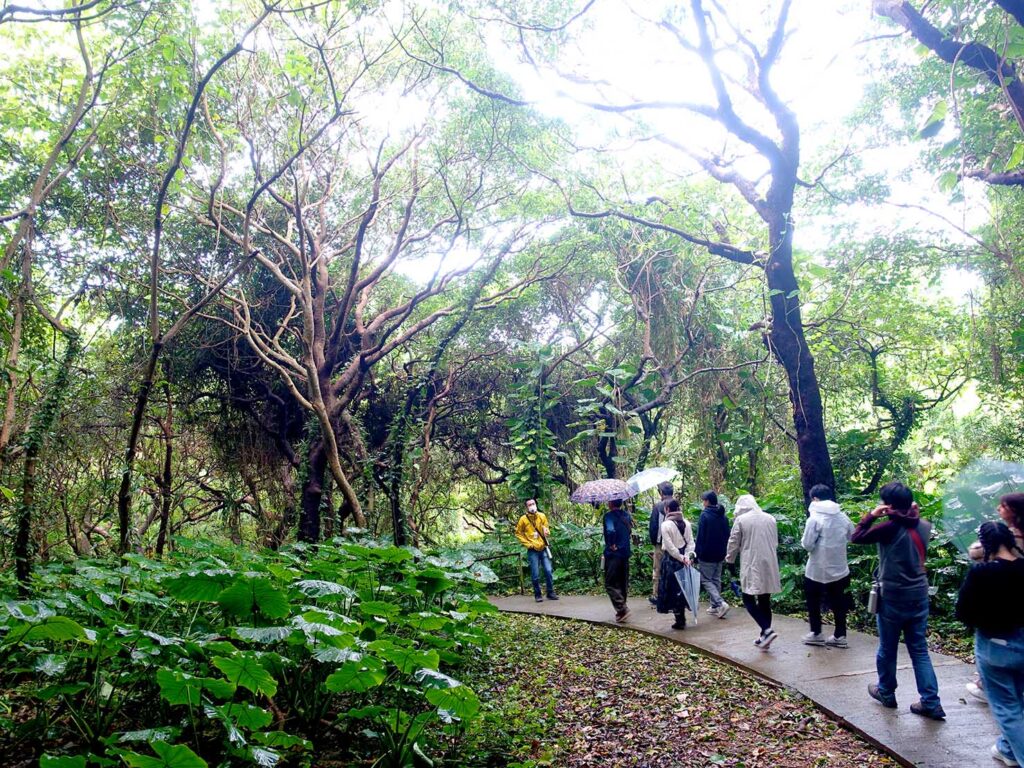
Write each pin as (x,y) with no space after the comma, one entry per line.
(218,656)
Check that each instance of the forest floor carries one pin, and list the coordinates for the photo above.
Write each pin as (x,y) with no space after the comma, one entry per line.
(585,695)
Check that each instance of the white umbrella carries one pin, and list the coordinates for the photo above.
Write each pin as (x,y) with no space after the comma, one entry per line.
(649,478)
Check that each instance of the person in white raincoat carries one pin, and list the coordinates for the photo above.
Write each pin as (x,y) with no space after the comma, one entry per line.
(755,539)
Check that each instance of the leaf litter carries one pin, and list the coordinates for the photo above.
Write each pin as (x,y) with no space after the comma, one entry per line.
(574,694)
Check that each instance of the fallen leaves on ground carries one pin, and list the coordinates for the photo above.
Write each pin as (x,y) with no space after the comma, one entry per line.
(574,694)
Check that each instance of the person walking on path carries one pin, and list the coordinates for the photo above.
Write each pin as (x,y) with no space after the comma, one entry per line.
(827,574)
(618,527)
(712,541)
(677,541)
(902,541)
(755,538)
(665,490)
(533,532)
(989,601)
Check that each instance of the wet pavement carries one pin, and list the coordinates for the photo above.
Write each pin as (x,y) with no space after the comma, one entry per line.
(835,679)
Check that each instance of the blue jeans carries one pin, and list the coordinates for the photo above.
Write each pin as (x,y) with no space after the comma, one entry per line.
(1001,664)
(909,618)
(538,560)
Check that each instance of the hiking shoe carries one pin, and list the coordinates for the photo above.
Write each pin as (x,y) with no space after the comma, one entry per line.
(721,610)
(837,642)
(814,638)
(997,754)
(886,701)
(710,611)
(935,713)
(677,625)
(653,601)
(538,598)
(767,638)
(977,692)
(552,596)
(621,617)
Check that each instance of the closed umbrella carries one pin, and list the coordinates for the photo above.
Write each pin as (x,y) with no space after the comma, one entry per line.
(689,584)
(602,490)
(649,478)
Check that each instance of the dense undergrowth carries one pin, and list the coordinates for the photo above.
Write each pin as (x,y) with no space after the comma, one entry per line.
(216,656)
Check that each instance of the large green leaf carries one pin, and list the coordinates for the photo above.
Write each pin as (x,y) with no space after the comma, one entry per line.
(459,701)
(244,669)
(168,756)
(182,688)
(197,587)
(357,676)
(57,628)
(249,596)
(65,761)
(408,660)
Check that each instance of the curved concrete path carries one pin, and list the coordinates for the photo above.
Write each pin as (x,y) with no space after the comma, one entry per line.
(834,679)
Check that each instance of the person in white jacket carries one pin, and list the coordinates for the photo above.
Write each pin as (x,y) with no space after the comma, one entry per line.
(755,538)
(827,574)
(677,543)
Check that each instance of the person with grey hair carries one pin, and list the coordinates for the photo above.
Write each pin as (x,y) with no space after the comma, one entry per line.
(755,540)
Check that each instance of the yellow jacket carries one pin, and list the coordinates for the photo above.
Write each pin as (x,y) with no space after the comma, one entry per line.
(527,531)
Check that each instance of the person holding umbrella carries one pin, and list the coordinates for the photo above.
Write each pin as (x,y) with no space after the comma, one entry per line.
(618,527)
(678,546)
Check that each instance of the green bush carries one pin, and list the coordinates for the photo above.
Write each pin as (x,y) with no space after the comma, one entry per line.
(221,657)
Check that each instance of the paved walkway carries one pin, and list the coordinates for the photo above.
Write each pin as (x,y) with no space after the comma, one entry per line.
(834,679)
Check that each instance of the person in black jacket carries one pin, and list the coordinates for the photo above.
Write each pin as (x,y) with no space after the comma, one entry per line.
(990,602)
(712,539)
(666,492)
(618,526)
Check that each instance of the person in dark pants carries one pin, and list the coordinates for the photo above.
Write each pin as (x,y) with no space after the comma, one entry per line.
(677,540)
(618,526)
(755,539)
(902,541)
(827,574)
(989,601)
(666,491)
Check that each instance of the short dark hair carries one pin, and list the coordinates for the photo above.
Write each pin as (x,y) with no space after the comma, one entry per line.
(673,506)
(710,497)
(665,488)
(822,492)
(615,504)
(896,495)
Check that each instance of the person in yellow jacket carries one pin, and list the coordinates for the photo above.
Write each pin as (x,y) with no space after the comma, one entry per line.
(533,532)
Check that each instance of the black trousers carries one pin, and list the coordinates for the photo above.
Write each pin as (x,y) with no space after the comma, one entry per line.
(835,593)
(616,581)
(760,609)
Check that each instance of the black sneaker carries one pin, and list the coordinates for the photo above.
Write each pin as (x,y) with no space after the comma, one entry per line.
(652,600)
(935,713)
(538,598)
(886,701)
(552,596)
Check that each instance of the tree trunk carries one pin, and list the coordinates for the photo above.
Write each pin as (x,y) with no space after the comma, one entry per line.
(789,347)
(280,532)
(23,537)
(166,426)
(124,493)
(312,494)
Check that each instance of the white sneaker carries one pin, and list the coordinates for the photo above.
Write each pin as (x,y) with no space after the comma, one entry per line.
(997,755)
(711,611)
(837,642)
(767,639)
(814,638)
(722,610)
(977,692)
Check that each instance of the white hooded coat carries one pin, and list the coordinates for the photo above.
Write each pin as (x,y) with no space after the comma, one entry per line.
(755,538)
(826,534)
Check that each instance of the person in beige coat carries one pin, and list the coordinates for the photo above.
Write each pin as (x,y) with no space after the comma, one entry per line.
(755,539)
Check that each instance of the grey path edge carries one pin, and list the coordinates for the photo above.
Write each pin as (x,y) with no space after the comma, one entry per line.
(833,679)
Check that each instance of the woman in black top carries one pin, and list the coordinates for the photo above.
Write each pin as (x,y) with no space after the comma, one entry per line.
(990,601)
